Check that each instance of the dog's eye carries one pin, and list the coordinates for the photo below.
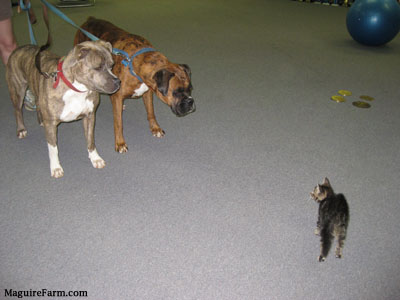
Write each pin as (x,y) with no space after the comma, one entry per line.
(99,68)
(182,92)
(178,92)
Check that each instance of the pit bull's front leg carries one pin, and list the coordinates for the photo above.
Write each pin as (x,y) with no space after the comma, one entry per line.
(88,127)
(50,128)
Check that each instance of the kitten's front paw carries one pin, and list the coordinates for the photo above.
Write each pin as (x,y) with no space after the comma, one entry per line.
(321,258)
(338,252)
(317,231)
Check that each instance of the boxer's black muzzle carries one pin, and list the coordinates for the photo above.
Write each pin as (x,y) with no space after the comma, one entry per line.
(184,107)
(185,103)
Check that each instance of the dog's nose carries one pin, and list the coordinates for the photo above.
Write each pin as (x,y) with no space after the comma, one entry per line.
(190,101)
(187,102)
(184,107)
(117,81)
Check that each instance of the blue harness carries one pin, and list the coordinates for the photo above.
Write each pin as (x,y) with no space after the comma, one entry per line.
(127,62)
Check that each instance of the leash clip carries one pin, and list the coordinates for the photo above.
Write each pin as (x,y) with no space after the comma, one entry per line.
(52,74)
(126,61)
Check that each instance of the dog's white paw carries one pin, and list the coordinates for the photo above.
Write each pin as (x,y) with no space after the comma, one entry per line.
(22,134)
(158,132)
(57,173)
(96,160)
(55,168)
(99,163)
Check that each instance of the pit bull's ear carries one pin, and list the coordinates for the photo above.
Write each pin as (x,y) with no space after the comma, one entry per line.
(107,45)
(162,78)
(81,51)
(186,68)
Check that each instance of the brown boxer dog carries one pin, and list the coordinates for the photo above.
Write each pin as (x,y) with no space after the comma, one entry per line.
(151,73)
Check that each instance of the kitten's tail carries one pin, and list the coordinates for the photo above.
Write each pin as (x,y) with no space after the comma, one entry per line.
(326,241)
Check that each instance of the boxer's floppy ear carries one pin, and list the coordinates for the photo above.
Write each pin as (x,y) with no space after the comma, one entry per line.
(186,68)
(162,78)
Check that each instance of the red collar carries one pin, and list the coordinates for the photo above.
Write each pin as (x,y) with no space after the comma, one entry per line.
(60,74)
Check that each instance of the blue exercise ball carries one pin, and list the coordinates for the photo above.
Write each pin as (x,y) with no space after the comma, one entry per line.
(373,22)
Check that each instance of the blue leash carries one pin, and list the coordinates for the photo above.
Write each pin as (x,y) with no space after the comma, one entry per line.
(26,9)
(127,61)
(58,13)
(68,20)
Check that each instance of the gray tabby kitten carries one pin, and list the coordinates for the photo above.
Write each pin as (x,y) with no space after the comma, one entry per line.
(333,218)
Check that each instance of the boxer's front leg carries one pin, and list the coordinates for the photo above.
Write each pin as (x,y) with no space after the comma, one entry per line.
(117,100)
(148,103)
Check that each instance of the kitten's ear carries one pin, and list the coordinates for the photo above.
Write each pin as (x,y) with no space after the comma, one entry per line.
(326,182)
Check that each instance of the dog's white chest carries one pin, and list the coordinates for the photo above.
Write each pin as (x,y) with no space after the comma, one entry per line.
(141,90)
(76,104)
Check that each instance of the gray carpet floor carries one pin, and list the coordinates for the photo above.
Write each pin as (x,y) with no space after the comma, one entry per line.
(219,208)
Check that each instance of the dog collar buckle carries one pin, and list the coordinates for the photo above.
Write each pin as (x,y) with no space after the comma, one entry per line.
(52,74)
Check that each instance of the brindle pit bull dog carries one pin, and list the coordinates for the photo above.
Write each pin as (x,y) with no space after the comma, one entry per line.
(150,72)
(74,94)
